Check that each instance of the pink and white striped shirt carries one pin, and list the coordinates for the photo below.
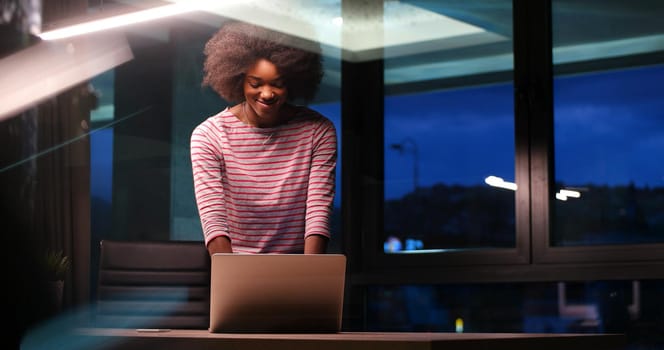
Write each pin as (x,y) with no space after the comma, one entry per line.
(266,189)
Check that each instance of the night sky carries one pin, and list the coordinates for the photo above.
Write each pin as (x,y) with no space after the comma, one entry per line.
(609,130)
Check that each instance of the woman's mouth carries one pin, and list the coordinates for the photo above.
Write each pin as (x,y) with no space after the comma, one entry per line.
(267,102)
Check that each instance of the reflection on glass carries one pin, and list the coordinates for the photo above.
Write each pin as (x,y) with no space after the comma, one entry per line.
(147,110)
(608,127)
(624,306)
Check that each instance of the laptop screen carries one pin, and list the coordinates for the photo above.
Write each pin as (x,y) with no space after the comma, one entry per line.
(264,293)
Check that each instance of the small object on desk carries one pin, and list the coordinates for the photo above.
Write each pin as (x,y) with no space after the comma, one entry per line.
(152,330)
(458,325)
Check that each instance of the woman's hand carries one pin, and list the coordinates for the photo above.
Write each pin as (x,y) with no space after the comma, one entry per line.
(315,244)
(220,244)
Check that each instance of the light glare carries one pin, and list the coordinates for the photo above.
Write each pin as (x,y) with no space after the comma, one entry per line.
(115,21)
(132,18)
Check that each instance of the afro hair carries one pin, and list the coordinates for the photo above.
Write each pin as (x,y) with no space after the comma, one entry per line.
(238,45)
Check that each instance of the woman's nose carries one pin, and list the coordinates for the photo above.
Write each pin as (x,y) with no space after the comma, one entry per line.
(267,94)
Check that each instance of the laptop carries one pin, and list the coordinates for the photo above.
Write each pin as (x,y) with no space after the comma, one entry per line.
(277,293)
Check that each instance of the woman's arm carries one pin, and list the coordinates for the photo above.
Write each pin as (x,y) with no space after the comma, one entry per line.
(207,167)
(321,191)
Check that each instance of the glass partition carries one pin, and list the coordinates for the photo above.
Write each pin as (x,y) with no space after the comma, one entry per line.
(138,95)
(148,107)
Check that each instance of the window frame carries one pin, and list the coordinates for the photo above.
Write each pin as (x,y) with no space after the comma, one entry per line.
(532,259)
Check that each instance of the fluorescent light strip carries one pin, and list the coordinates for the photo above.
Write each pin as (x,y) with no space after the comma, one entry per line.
(125,19)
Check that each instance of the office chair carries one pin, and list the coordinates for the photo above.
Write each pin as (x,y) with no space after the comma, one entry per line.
(152,285)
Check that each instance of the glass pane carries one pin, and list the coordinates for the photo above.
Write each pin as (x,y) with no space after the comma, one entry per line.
(155,100)
(449,133)
(608,123)
(629,307)
(135,103)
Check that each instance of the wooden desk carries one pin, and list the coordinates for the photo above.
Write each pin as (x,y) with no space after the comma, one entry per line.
(129,339)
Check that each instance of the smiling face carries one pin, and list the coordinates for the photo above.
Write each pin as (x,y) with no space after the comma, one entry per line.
(265,94)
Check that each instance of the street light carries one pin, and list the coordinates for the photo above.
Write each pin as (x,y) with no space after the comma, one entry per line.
(402,147)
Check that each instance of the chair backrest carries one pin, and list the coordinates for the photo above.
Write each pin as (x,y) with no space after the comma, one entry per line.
(162,284)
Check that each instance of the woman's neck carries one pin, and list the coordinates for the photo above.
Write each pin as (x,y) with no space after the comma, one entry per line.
(248,116)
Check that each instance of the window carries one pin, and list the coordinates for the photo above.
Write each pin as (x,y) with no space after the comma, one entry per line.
(449,141)
(460,193)
(608,125)
(602,201)
(465,193)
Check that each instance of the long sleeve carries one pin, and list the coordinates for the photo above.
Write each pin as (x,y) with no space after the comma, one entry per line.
(207,166)
(321,191)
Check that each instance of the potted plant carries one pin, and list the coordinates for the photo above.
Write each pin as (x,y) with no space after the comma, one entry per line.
(56,266)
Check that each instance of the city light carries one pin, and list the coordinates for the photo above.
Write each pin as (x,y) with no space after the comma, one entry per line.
(496,181)
(563,194)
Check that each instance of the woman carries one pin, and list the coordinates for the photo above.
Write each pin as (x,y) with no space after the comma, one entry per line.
(264,169)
